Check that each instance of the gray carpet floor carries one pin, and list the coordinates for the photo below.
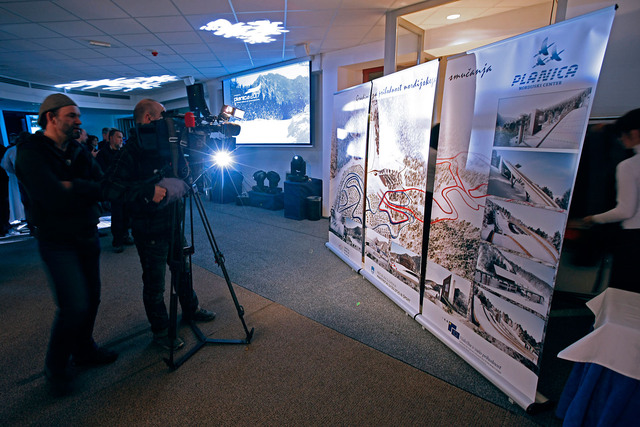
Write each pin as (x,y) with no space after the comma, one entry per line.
(329,348)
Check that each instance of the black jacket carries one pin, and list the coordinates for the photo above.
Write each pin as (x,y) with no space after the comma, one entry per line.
(132,179)
(106,157)
(57,213)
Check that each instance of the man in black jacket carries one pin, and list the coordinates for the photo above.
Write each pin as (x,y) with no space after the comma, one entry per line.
(119,211)
(143,178)
(61,181)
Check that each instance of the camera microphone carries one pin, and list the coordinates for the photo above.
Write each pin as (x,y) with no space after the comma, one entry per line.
(189,120)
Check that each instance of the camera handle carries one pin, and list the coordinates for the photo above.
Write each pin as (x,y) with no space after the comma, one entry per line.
(181,256)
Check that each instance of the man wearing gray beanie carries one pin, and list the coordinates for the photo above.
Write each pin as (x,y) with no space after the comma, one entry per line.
(61,181)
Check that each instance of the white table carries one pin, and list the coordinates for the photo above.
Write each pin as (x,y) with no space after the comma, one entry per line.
(615,340)
(604,385)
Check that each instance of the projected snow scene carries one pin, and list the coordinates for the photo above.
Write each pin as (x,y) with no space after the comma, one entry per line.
(276,105)
(348,151)
(531,232)
(397,161)
(550,120)
(533,177)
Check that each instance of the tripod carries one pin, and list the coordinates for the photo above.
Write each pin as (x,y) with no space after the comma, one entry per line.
(180,263)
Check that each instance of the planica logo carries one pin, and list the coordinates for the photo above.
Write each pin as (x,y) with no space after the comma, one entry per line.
(454,332)
(546,55)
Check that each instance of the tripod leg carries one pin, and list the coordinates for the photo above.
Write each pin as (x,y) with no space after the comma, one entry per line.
(174,267)
(219,257)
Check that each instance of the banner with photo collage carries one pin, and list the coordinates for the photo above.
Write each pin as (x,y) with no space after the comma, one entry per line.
(514,116)
(347,174)
(400,122)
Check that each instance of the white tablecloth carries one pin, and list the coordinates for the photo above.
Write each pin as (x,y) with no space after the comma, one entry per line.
(615,340)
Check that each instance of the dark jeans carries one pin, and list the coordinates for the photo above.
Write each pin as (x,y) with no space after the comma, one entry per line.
(74,272)
(154,257)
(120,222)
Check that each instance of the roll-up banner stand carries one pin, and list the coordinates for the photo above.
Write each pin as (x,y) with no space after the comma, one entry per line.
(347,174)
(396,181)
(514,116)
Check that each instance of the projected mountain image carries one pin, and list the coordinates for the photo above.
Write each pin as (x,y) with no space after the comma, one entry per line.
(276,103)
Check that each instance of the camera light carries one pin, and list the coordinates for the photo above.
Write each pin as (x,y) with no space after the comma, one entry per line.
(222,158)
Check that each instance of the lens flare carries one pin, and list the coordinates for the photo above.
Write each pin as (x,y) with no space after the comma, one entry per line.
(222,159)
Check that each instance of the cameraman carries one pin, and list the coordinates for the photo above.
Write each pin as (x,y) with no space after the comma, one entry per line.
(135,178)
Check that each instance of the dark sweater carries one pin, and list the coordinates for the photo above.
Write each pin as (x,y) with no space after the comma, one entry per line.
(57,213)
(132,179)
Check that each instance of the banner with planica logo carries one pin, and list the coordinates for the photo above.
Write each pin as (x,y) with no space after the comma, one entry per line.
(514,116)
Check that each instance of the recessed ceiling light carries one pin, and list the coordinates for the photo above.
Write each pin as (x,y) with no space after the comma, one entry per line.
(250,32)
(454,16)
(123,84)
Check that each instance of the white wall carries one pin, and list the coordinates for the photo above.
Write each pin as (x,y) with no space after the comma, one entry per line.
(618,90)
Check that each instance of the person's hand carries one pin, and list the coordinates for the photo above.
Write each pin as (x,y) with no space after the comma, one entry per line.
(175,189)
(159,193)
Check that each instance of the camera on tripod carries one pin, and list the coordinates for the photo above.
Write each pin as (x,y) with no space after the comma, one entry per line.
(198,132)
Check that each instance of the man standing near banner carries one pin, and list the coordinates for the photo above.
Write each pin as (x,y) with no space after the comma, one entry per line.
(624,271)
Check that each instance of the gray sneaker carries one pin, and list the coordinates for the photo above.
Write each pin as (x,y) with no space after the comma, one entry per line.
(162,338)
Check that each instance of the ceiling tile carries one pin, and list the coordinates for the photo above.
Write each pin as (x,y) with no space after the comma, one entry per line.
(118,26)
(39,11)
(165,24)
(193,7)
(191,48)
(141,9)
(21,45)
(311,19)
(73,28)
(182,37)
(58,43)
(312,4)
(146,39)
(92,9)
(28,31)
(7,17)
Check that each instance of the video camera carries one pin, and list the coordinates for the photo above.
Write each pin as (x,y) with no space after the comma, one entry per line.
(197,131)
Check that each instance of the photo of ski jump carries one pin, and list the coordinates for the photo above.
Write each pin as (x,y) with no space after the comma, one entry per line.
(551,120)
(534,177)
(532,232)
(524,282)
(514,330)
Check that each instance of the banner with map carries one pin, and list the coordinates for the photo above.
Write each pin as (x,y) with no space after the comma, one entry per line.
(396,181)
(514,116)
(347,174)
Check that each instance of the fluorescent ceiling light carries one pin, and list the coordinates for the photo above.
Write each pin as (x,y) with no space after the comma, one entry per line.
(251,32)
(454,16)
(99,43)
(122,83)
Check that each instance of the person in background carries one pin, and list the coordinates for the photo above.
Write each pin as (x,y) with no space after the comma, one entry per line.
(119,216)
(92,145)
(8,164)
(105,139)
(624,273)
(135,178)
(61,183)
(5,210)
